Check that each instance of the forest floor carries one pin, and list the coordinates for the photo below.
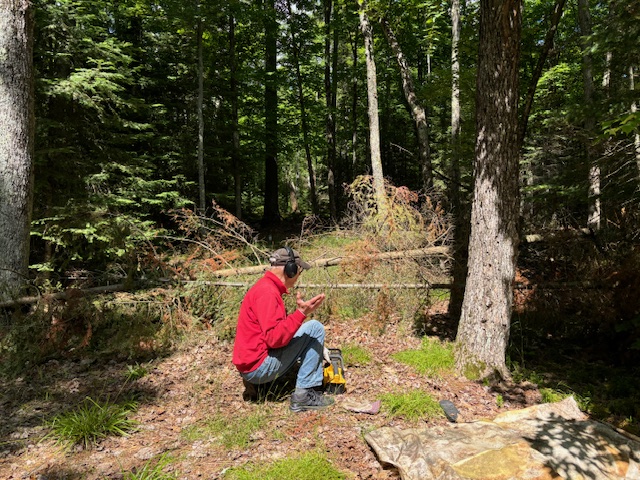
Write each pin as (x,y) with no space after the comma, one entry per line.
(196,384)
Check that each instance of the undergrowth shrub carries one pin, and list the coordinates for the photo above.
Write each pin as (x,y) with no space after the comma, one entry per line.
(136,327)
(92,421)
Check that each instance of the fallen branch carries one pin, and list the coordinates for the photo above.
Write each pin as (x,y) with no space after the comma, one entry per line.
(74,293)
(333,261)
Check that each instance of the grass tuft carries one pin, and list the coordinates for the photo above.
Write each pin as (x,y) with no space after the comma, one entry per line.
(414,405)
(91,421)
(308,466)
(434,358)
(152,470)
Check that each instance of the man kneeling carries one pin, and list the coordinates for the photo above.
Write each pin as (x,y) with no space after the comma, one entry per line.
(269,342)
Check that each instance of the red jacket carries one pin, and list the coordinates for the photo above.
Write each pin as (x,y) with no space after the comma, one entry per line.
(263,323)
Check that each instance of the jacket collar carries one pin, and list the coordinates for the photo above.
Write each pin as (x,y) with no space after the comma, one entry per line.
(276,281)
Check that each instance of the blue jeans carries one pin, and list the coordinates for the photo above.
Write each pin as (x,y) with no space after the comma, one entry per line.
(307,346)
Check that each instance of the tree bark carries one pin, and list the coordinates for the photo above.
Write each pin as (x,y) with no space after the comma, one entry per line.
(417,110)
(271,212)
(483,332)
(17,133)
(374,121)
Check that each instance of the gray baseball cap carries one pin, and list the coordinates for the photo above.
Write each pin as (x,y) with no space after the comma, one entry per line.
(281,256)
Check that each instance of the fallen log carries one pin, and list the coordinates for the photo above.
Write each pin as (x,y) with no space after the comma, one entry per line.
(333,261)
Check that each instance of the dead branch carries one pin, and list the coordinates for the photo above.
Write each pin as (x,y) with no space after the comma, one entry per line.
(333,261)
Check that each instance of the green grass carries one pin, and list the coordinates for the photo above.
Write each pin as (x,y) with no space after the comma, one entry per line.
(152,470)
(233,432)
(308,466)
(414,405)
(434,358)
(355,355)
(92,421)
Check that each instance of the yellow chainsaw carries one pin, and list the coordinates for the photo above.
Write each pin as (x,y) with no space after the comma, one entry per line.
(333,380)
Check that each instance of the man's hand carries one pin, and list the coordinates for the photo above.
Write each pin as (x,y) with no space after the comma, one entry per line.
(309,306)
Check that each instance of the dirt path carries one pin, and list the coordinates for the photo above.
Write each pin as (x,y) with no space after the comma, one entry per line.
(197,384)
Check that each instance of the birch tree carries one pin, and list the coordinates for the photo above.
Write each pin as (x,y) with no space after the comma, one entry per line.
(372,96)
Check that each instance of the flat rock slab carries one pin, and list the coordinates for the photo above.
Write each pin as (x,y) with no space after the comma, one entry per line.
(547,441)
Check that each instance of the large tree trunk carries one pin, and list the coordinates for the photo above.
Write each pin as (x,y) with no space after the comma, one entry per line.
(483,332)
(417,110)
(17,129)
(374,121)
(271,213)
(458,207)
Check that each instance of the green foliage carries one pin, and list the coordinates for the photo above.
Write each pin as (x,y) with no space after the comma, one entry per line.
(92,421)
(434,358)
(550,395)
(134,372)
(307,466)
(152,470)
(136,327)
(236,432)
(412,405)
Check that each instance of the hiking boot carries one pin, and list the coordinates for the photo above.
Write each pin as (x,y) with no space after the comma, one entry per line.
(309,399)
(250,393)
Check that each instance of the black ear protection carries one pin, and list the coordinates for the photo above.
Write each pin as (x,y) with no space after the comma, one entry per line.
(291,267)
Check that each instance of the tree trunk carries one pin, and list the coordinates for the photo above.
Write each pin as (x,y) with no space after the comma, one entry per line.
(17,119)
(417,110)
(235,148)
(537,73)
(458,207)
(330,128)
(354,107)
(483,332)
(584,18)
(374,122)
(271,213)
(201,188)
(303,122)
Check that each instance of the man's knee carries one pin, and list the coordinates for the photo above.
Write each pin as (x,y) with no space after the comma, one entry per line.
(315,329)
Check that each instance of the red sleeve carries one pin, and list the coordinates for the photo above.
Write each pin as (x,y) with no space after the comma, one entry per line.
(278,328)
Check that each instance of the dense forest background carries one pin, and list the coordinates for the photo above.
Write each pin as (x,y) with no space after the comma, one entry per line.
(144,107)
